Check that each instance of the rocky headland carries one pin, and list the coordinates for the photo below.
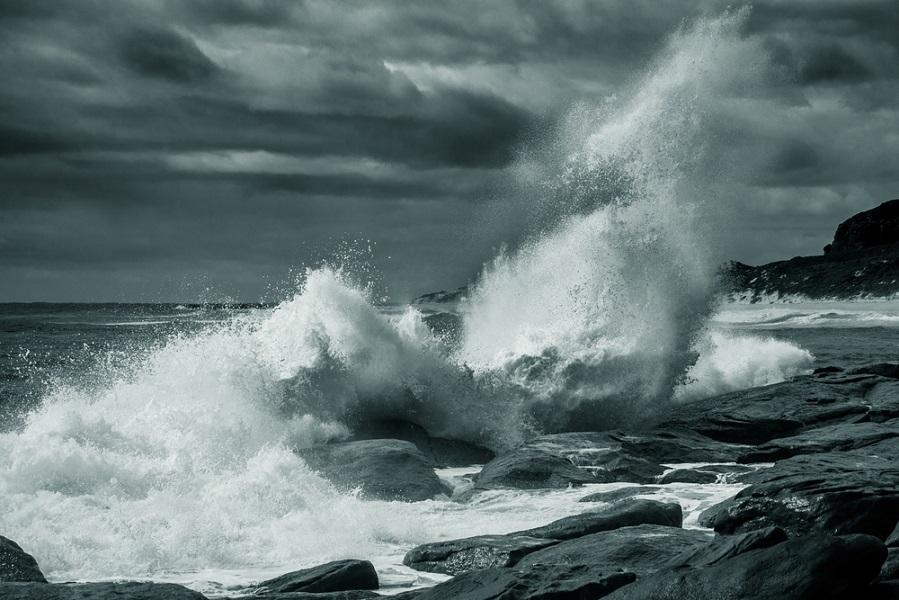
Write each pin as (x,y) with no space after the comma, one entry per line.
(861,262)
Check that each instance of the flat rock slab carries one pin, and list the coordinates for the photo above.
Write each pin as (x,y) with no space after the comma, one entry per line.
(839,492)
(830,438)
(383,469)
(818,567)
(641,549)
(527,467)
(620,514)
(658,445)
(470,554)
(758,415)
(97,591)
(16,564)
(336,576)
(464,555)
(538,583)
(727,546)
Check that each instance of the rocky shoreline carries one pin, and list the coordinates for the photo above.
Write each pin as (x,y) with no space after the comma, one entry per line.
(818,519)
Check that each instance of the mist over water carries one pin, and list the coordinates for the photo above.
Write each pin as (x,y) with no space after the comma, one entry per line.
(181,460)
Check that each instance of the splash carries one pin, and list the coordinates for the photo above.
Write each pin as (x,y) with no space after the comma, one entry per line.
(182,458)
(596,320)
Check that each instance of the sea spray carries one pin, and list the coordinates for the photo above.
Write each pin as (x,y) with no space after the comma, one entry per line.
(182,459)
(594,322)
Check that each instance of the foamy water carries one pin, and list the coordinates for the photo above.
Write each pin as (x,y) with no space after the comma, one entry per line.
(177,463)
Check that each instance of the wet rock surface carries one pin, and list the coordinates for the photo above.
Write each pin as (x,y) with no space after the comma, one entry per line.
(460,556)
(470,554)
(531,468)
(818,567)
(16,564)
(384,469)
(97,591)
(640,549)
(840,492)
(543,582)
(336,576)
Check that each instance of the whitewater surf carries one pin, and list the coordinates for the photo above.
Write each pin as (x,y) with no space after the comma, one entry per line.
(178,461)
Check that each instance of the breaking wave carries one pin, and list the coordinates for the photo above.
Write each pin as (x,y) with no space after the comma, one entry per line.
(182,459)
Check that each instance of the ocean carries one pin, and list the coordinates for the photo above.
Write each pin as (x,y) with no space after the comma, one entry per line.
(154,441)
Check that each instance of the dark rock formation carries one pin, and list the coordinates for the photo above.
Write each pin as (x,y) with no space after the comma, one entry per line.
(336,576)
(819,567)
(97,591)
(838,492)
(688,476)
(441,451)
(527,467)
(350,595)
(862,260)
(868,229)
(758,415)
(384,469)
(620,494)
(545,582)
(621,514)
(728,546)
(484,551)
(16,564)
(442,297)
(641,549)
(839,436)
(470,554)
(657,445)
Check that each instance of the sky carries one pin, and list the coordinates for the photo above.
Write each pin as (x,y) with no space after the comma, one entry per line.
(182,150)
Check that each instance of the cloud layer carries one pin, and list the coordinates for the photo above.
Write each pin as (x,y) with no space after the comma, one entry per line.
(154,151)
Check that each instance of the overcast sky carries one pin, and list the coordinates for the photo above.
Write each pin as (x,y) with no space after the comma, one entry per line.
(182,150)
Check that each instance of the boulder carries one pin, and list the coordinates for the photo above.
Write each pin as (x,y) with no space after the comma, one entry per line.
(384,469)
(619,514)
(838,492)
(336,576)
(527,467)
(836,437)
(16,564)
(545,582)
(441,451)
(641,549)
(470,554)
(97,591)
(817,567)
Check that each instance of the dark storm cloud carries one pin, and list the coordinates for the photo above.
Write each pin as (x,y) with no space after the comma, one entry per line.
(155,142)
(165,54)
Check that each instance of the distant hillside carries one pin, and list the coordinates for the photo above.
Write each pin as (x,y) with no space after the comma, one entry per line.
(862,261)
